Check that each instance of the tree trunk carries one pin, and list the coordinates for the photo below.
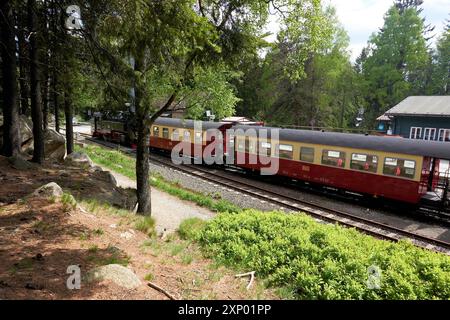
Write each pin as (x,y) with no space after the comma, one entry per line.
(142,152)
(55,99)
(46,61)
(11,133)
(68,111)
(36,102)
(24,78)
(45,93)
(142,168)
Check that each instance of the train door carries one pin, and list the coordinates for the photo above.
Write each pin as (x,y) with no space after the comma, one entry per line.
(434,174)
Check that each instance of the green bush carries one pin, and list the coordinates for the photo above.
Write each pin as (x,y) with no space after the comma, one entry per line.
(191,228)
(322,261)
(146,225)
(68,201)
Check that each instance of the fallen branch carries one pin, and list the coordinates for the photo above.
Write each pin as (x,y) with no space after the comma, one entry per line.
(158,288)
(252,277)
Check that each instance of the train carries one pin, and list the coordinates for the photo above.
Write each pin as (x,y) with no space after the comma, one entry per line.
(392,168)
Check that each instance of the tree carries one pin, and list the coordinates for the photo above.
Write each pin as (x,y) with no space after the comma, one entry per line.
(324,96)
(36,93)
(396,61)
(441,72)
(11,134)
(177,41)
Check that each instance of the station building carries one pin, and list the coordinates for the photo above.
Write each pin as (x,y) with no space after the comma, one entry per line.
(420,117)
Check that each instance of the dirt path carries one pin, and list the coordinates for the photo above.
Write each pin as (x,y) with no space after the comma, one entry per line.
(167,210)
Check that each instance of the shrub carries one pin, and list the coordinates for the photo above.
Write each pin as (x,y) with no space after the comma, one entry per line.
(191,228)
(322,261)
(68,201)
(146,225)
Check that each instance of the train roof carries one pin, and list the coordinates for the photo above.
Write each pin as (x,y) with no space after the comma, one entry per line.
(188,124)
(434,149)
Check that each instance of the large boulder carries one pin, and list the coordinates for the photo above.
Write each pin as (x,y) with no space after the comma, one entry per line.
(26,133)
(49,190)
(55,145)
(79,159)
(20,163)
(116,273)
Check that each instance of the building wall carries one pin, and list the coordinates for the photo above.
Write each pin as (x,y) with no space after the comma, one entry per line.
(402,125)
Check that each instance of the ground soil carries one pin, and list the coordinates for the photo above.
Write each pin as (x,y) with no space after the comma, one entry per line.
(41,237)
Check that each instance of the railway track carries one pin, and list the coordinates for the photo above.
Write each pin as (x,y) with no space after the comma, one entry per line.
(319,212)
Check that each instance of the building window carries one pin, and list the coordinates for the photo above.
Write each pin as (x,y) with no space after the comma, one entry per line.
(285,151)
(364,162)
(399,167)
(166,133)
(444,135)
(156,131)
(307,154)
(265,149)
(175,135)
(415,133)
(333,158)
(429,134)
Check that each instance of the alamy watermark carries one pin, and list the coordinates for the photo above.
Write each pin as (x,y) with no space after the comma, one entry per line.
(74,280)
(373,277)
(254,148)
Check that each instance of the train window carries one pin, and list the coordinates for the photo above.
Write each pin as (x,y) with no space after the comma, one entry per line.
(307,154)
(156,131)
(285,151)
(250,145)
(333,158)
(175,135)
(265,148)
(166,133)
(364,162)
(187,136)
(399,167)
(198,137)
(240,144)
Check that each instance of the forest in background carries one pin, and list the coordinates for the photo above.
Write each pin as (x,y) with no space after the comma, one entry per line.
(399,60)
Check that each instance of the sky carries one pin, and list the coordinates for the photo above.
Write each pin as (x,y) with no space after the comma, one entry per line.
(361,18)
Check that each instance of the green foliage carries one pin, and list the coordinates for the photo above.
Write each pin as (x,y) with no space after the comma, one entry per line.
(211,91)
(327,93)
(191,228)
(395,62)
(320,261)
(68,201)
(146,225)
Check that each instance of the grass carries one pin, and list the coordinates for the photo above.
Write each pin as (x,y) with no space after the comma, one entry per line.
(111,255)
(149,277)
(68,201)
(146,225)
(25,264)
(124,164)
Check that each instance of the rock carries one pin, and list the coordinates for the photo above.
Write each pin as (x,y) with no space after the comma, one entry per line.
(49,190)
(126,235)
(26,133)
(116,273)
(106,176)
(55,145)
(20,163)
(79,159)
